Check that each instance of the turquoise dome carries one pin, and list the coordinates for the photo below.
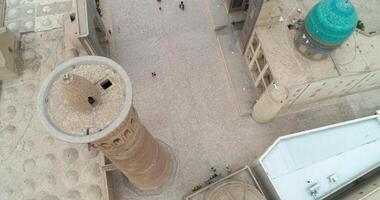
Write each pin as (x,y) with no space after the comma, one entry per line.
(331,22)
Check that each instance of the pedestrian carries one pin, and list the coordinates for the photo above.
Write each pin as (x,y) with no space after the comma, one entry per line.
(159,8)
(182,5)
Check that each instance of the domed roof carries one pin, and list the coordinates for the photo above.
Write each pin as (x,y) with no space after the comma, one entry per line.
(331,22)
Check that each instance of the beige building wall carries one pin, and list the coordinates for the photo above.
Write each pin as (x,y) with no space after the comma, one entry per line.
(271,58)
(308,92)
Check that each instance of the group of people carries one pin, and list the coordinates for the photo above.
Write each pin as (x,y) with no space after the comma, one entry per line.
(181,5)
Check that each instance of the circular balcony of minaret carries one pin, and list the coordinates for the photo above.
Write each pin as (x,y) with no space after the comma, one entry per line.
(85,99)
(234,190)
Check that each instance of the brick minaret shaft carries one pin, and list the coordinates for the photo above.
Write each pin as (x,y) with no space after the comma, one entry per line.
(130,147)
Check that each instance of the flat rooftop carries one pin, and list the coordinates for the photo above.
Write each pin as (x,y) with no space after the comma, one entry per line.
(357,55)
(299,164)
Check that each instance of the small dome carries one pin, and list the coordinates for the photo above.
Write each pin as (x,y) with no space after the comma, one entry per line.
(331,22)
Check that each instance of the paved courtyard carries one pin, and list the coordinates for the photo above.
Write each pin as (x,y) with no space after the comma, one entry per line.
(190,104)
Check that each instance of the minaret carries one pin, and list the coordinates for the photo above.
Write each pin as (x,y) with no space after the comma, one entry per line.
(89,100)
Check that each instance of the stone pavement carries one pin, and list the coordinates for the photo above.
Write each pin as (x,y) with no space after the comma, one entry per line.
(189,104)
